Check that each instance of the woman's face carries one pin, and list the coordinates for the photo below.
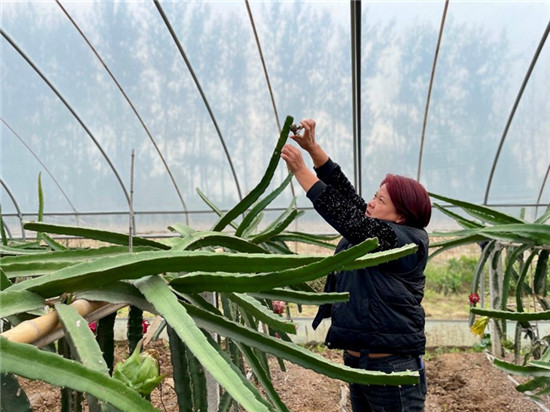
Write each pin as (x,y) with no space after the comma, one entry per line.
(381,207)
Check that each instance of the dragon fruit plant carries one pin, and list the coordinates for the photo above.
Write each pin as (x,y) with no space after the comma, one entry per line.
(514,253)
(253,272)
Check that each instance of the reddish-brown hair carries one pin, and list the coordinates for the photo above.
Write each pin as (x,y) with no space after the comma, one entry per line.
(410,198)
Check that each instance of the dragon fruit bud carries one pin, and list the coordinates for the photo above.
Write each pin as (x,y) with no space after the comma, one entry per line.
(278,306)
(474,298)
(140,371)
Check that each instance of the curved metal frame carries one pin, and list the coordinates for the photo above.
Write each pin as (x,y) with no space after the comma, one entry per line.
(68,106)
(44,166)
(514,107)
(426,110)
(260,53)
(19,214)
(201,92)
(7,230)
(131,106)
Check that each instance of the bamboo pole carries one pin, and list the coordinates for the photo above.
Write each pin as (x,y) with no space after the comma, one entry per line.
(31,330)
(95,315)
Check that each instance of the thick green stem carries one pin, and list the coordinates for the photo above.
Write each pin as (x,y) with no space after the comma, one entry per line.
(106,339)
(135,328)
(182,381)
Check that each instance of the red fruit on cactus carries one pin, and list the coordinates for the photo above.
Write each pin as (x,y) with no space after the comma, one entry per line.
(145,325)
(93,326)
(278,306)
(474,298)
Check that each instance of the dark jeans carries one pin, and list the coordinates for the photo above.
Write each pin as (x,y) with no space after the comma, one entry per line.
(387,398)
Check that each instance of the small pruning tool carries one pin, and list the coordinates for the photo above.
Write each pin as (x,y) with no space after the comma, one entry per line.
(295,128)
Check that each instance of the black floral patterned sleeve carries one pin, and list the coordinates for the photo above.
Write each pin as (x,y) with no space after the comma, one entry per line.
(335,199)
(331,174)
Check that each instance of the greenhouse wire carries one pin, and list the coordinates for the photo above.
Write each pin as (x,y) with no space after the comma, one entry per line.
(542,190)
(439,37)
(19,214)
(30,216)
(202,212)
(271,95)
(201,92)
(132,106)
(44,166)
(260,53)
(69,107)
(514,107)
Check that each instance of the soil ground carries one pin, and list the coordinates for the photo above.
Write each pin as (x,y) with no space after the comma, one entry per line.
(457,382)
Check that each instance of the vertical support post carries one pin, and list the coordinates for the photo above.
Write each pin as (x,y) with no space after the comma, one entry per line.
(131,229)
(496,279)
(355,19)
(135,315)
(212,385)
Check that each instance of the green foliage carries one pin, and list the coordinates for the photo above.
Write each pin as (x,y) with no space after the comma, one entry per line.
(168,278)
(453,276)
(483,344)
(515,258)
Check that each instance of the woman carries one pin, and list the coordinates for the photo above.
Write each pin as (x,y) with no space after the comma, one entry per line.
(381,327)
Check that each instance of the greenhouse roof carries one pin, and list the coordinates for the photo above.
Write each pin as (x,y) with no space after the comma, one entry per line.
(129,105)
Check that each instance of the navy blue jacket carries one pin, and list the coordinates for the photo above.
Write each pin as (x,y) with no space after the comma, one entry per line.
(384,312)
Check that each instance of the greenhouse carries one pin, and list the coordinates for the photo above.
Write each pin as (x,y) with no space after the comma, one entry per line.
(148,181)
(454,95)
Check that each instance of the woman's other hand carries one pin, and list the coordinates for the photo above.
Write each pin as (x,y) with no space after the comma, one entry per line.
(296,165)
(293,158)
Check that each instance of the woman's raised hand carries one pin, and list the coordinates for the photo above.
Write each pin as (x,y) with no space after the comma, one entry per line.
(308,143)
(307,139)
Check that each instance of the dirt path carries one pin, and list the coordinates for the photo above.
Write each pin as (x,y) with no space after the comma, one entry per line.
(457,382)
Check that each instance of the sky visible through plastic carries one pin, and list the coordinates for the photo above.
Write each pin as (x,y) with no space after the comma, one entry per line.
(86,83)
